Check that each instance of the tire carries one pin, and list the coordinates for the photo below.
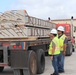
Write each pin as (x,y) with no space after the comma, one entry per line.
(69,49)
(32,63)
(1,60)
(73,49)
(1,69)
(40,61)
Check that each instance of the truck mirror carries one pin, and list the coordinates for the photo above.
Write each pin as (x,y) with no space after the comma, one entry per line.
(72,17)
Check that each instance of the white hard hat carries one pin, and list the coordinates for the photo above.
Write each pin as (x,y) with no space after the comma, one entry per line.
(61,28)
(53,31)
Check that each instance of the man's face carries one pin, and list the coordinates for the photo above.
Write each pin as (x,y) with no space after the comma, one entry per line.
(51,36)
(59,32)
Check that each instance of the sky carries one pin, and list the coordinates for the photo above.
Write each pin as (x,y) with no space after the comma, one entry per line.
(55,9)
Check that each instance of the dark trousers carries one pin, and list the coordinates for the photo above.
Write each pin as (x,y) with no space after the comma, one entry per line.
(61,62)
(55,64)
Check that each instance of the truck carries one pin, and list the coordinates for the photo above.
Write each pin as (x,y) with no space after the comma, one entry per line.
(69,33)
(23,42)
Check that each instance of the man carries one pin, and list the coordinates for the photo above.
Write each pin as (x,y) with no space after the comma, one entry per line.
(63,43)
(73,40)
(54,50)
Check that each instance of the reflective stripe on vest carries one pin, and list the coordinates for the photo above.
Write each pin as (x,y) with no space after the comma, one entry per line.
(57,49)
(61,42)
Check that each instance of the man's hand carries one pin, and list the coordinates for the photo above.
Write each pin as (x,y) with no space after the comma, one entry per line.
(64,53)
(48,35)
(51,57)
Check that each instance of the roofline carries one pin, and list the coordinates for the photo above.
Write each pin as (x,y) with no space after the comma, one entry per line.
(62,19)
(63,23)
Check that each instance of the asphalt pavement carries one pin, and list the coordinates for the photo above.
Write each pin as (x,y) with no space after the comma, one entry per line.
(70,66)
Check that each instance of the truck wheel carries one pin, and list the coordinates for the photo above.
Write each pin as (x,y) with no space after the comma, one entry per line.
(32,63)
(73,49)
(1,60)
(69,49)
(1,69)
(40,61)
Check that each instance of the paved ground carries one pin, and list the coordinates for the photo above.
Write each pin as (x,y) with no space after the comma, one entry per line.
(70,67)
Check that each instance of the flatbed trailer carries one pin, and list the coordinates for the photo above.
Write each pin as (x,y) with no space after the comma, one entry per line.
(31,56)
(23,42)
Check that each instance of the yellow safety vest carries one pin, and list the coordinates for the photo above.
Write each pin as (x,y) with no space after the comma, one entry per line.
(61,42)
(57,49)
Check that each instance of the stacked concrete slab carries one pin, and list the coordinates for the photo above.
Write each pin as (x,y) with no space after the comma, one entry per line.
(17,23)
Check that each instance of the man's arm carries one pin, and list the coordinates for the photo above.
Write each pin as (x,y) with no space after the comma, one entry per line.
(53,49)
(65,45)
